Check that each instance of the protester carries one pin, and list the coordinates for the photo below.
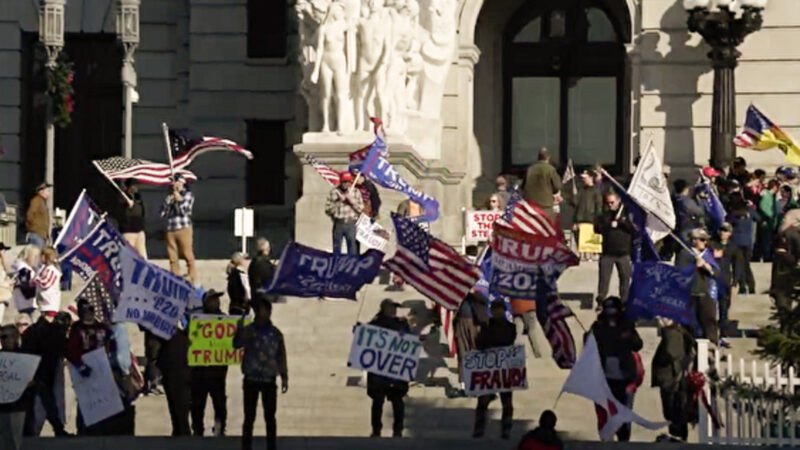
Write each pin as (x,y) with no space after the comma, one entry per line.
(46,338)
(173,363)
(6,285)
(177,210)
(344,208)
(618,343)
(671,364)
(501,189)
(238,286)
(152,374)
(543,185)
(499,332)
(741,218)
(209,381)
(370,197)
(24,294)
(22,322)
(703,289)
(48,283)
(617,232)
(525,309)
(785,266)
(132,218)
(469,318)
(495,203)
(12,415)
(731,265)
(263,361)
(543,437)
(37,217)
(770,217)
(588,205)
(689,214)
(260,271)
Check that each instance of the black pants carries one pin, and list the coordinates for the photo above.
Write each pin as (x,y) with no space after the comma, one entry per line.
(618,390)
(706,317)
(151,348)
(724,304)
(746,281)
(177,387)
(624,271)
(202,388)
(269,399)
(483,405)
(673,404)
(398,410)
(44,391)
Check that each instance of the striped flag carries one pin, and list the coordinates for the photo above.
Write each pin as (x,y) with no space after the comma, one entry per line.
(327,174)
(553,320)
(186,146)
(760,133)
(432,267)
(446,317)
(119,168)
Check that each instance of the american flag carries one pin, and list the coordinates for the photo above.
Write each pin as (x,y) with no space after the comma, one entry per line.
(524,215)
(98,297)
(434,268)
(186,146)
(553,320)
(119,168)
(327,174)
(357,157)
(446,317)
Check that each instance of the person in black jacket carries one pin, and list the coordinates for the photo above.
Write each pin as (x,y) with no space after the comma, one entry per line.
(704,284)
(785,270)
(209,381)
(731,267)
(12,415)
(131,220)
(239,292)
(617,340)
(617,234)
(380,388)
(497,333)
(671,363)
(176,377)
(544,436)
(261,269)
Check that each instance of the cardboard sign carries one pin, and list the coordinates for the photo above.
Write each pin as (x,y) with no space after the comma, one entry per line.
(372,235)
(97,394)
(493,370)
(385,352)
(588,240)
(211,341)
(16,371)
(479,225)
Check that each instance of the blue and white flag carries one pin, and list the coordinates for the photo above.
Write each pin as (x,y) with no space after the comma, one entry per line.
(659,289)
(83,217)
(379,170)
(99,253)
(712,206)
(308,272)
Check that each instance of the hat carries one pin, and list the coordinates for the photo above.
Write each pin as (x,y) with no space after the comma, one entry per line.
(389,302)
(699,233)
(3,246)
(786,171)
(43,185)
(726,227)
(211,293)
(711,172)
(345,176)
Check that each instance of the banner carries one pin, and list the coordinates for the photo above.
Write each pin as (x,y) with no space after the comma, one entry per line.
(588,240)
(97,394)
(99,253)
(308,272)
(479,225)
(385,352)
(211,340)
(82,218)
(151,296)
(649,189)
(372,235)
(500,369)
(16,371)
(523,263)
(659,289)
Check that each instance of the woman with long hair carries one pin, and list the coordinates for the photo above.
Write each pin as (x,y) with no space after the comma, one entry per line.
(48,283)
(24,268)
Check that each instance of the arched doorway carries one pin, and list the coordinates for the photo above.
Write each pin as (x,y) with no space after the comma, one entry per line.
(566,84)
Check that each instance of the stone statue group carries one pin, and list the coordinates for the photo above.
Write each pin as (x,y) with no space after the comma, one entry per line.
(374,58)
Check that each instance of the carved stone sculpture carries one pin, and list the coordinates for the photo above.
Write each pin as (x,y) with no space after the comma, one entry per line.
(374,53)
(331,71)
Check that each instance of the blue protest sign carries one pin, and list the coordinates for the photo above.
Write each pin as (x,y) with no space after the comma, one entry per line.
(308,272)
(659,289)
(99,252)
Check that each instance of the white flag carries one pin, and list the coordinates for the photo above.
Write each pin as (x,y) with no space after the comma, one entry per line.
(587,379)
(649,189)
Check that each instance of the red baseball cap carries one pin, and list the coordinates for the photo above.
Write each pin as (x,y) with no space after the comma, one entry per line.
(711,172)
(345,176)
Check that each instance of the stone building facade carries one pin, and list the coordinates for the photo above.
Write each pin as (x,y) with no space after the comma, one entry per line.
(593,80)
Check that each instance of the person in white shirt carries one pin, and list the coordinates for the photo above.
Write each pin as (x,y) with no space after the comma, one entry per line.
(48,283)
(24,294)
(6,285)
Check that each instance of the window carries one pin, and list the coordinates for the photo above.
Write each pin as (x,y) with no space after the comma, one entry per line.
(266,28)
(531,33)
(266,172)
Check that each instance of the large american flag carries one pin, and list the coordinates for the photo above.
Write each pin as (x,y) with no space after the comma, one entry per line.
(119,168)
(327,174)
(554,324)
(186,146)
(432,267)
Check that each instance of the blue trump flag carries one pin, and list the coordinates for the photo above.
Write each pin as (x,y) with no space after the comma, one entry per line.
(83,217)
(378,169)
(99,253)
(659,289)
(712,206)
(308,272)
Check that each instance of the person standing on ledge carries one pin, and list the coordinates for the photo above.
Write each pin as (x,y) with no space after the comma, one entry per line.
(131,223)
(37,217)
(543,185)
(177,209)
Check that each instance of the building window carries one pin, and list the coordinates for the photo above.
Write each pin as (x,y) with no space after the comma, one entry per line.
(266,28)
(266,172)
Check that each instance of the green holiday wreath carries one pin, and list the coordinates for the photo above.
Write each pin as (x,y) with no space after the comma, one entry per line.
(59,88)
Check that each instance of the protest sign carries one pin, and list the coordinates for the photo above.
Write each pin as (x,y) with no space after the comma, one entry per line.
(588,240)
(659,289)
(97,394)
(211,341)
(16,371)
(479,225)
(372,235)
(151,296)
(500,369)
(308,272)
(385,352)
(98,253)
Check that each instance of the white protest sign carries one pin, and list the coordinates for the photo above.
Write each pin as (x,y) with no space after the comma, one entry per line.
(97,394)
(500,369)
(371,234)
(16,371)
(479,225)
(151,296)
(385,352)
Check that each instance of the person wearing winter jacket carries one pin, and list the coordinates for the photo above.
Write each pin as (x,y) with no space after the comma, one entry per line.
(544,436)
(12,415)
(24,294)
(209,381)
(238,286)
(48,283)
(671,363)
(261,269)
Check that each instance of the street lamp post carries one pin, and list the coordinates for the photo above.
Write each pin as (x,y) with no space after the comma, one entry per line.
(128,35)
(724,25)
(51,35)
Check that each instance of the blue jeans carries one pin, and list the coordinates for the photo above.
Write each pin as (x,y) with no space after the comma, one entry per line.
(346,230)
(35,239)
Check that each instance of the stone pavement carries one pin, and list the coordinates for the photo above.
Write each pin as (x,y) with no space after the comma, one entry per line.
(328,399)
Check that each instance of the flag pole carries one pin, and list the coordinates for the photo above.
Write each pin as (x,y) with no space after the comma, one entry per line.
(165,130)
(113,183)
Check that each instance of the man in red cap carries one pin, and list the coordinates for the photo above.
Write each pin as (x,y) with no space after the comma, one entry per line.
(344,206)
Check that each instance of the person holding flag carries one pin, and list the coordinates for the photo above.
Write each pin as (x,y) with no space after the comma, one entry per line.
(704,289)
(132,218)
(344,206)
